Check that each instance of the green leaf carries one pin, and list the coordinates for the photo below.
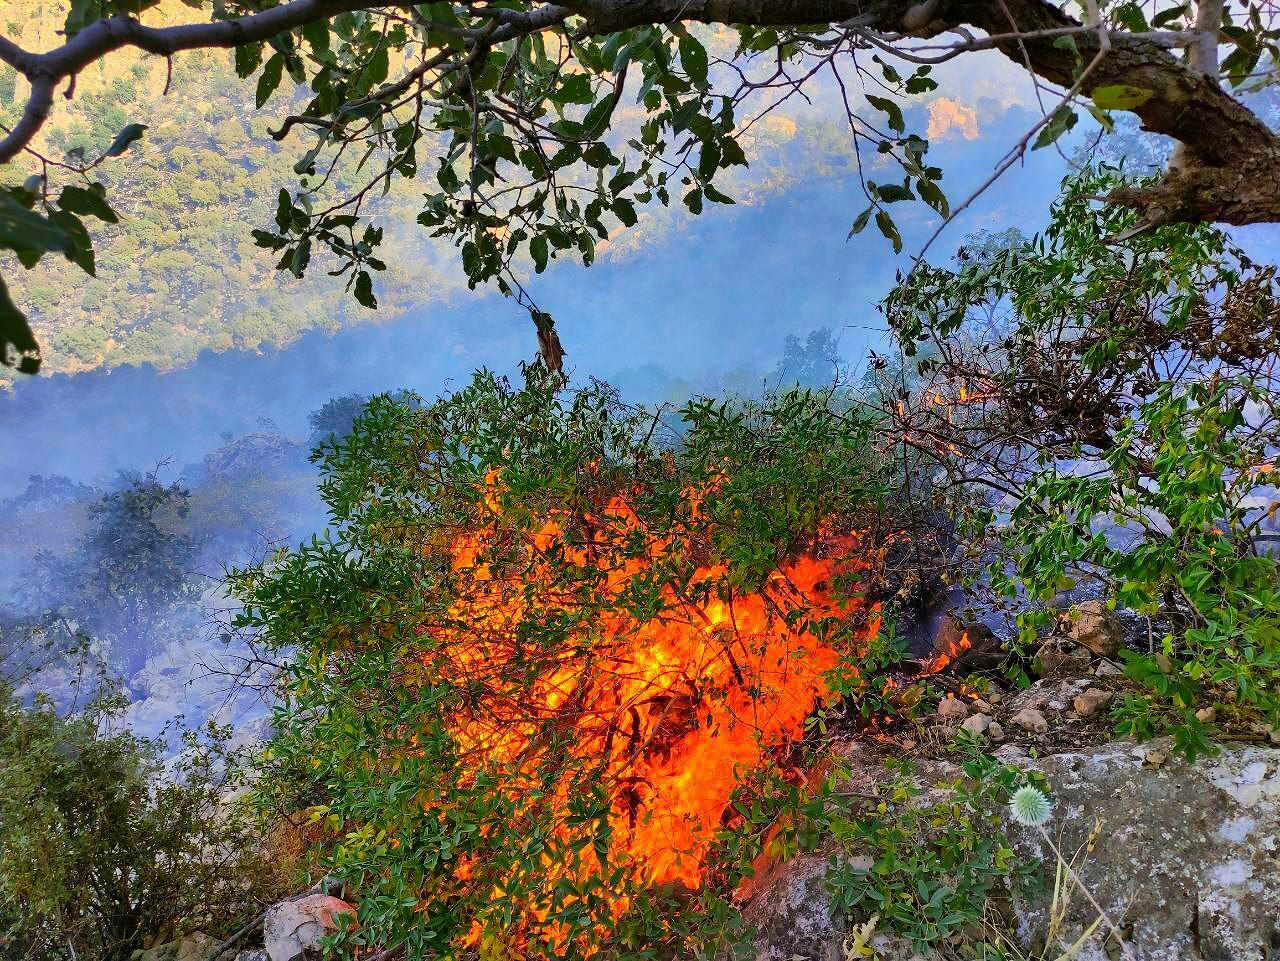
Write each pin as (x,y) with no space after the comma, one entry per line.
(316,33)
(538,251)
(1130,16)
(284,210)
(1120,96)
(272,73)
(124,139)
(81,252)
(1063,119)
(573,88)
(301,257)
(248,59)
(25,231)
(860,222)
(87,201)
(16,336)
(693,57)
(625,211)
(364,290)
(889,229)
(716,196)
(896,120)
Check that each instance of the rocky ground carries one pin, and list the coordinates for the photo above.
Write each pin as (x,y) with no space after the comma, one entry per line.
(1173,861)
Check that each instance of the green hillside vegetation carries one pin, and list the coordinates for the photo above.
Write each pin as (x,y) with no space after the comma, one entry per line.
(181,274)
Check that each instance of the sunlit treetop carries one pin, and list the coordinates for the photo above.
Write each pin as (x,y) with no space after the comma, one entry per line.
(534,129)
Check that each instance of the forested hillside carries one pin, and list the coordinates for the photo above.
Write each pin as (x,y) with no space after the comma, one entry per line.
(180,273)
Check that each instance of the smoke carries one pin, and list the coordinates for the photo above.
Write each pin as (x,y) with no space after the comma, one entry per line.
(705,309)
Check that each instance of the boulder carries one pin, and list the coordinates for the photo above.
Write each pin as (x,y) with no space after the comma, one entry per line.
(1090,701)
(1188,855)
(292,929)
(1092,625)
(1029,719)
(1185,859)
(1060,657)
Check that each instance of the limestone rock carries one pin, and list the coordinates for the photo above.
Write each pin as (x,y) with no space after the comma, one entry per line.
(253,954)
(1091,701)
(952,709)
(977,724)
(1091,625)
(292,928)
(1187,859)
(1189,855)
(995,732)
(1059,657)
(1108,668)
(1029,719)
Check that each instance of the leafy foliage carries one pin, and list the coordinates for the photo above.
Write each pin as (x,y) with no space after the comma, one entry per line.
(925,864)
(499,546)
(99,852)
(1120,397)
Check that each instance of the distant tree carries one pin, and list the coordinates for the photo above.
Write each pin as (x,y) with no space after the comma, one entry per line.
(334,420)
(545,126)
(815,362)
(132,571)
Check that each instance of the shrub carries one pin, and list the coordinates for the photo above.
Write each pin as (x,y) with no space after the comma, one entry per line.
(100,852)
(1116,391)
(547,648)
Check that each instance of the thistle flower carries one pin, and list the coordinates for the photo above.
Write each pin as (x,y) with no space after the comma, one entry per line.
(1030,806)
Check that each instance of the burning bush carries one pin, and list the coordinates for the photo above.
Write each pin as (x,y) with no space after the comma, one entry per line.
(546,646)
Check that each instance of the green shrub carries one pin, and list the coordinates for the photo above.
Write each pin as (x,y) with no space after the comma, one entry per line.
(100,853)
(537,611)
(1115,389)
(925,863)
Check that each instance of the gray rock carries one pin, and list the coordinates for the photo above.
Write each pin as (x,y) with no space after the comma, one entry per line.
(253,954)
(1091,625)
(292,928)
(1090,702)
(792,913)
(1059,657)
(1186,860)
(1029,719)
(1108,668)
(952,709)
(196,946)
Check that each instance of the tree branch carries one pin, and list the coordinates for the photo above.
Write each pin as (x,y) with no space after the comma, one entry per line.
(1226,173)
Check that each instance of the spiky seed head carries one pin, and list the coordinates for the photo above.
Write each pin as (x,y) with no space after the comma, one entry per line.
(1030,806)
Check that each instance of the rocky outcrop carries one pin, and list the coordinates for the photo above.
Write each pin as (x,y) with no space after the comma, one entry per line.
(1184,858)
(1187,856)
(196,946)
(292,929)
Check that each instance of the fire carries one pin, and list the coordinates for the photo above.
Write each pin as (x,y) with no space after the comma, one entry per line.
(941,658)
(665,694)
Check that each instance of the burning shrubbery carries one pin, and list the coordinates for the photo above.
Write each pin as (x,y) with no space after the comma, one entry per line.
(549,644)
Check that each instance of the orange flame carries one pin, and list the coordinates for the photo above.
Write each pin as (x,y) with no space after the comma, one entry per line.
(669,707)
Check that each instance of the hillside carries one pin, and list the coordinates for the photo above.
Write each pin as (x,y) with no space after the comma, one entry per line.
(180,274)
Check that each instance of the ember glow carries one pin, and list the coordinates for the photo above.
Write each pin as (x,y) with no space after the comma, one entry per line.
(665,696)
